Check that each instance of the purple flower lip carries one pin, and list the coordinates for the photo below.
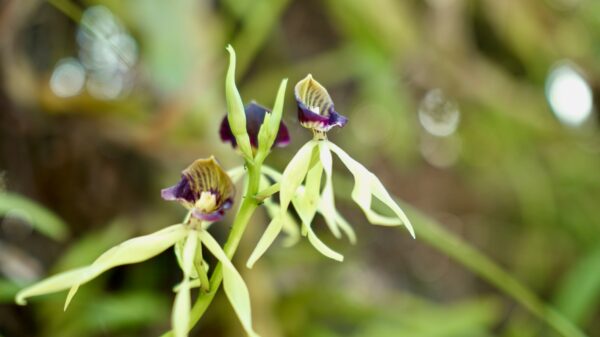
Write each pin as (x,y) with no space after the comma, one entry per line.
(255,115)
(205,188)
(315,107)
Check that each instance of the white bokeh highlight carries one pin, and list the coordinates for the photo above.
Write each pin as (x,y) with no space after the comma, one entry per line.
(569,95)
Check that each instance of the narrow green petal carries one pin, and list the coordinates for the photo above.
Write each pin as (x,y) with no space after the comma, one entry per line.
(382,194)
(235,108)
(236,173)
(289,226)
(180,317)
(294,174)
(189,253)
(327,204)
(266,240)
(307,199)
(367,184)
(131,251)
(345,227)
(322,247)
(234,285)
(52,284)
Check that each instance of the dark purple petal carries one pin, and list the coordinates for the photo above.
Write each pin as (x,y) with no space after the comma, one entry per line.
(315,106)
(203,176)
(255,115)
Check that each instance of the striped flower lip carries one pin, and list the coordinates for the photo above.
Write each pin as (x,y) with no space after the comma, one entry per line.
(205,188)
(255,115)
(315,106)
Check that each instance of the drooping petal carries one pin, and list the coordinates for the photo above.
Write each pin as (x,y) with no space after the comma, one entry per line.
(234,285)
(289,225)
(366,185)
(131,251)
(315,107)
(291,179)
(321,247)
(307,198)
(180,318)
(327,203)
(205,188)
(255,115)
(266,240)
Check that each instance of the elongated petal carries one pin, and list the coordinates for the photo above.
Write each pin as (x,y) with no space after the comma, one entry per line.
(321,247)
(266,240)
(180,317)
(234,285)
(327,203)
(236,173)
(294,174)
(367,184)
(131,251)
(52,284)
(289,225)
(307,201)
(291,178)
(345,227)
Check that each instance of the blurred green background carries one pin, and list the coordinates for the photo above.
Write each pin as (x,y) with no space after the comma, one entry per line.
(480,114)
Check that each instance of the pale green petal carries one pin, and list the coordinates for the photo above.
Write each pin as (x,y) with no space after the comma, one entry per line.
(234,285)
(180,317)
(292,177)
(131,251)
(307,199)
(294,174)
(322,247)
(271,173)
(52,284)
(367,184)
(345,227)
(236,173)
(289,225)
(266,240)
(189,253)
(236,114)
(327,204)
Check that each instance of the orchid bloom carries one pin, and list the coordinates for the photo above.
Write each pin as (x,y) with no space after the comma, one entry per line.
(207,192)
(316,112)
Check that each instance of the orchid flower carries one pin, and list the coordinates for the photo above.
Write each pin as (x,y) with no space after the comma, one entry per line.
(316,112)
(207,192)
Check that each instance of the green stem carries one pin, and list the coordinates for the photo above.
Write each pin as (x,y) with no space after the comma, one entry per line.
(452,246)
(435,235)
(247,208)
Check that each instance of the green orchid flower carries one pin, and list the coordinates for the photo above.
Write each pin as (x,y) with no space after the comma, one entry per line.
(207,192)
(300,182)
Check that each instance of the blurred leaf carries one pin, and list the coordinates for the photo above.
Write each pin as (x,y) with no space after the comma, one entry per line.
(41,218)
(579,291)
(8,290)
